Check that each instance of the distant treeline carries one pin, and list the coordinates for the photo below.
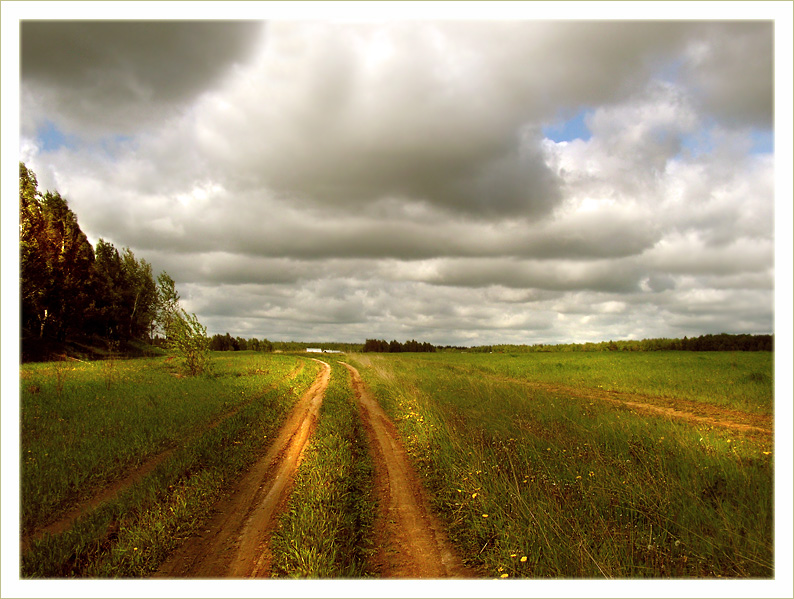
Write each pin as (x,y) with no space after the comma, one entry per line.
(379,345)
(228,343)
(721,342)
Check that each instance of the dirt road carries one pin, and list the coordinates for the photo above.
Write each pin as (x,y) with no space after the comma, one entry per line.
(105,494)
(410,541)
(234,543)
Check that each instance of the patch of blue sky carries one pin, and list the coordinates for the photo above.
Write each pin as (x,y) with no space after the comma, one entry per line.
(763,141)
(697,144)
(568,130)
(701,143)
(50,138)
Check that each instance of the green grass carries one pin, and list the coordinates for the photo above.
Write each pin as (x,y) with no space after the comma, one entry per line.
(535,483)
(740,380)
(131,534)
(532,480)
(326,530)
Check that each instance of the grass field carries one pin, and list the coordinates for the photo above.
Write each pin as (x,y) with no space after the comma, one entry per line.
(85,425)
(739,380)
(535,462)
(535,481)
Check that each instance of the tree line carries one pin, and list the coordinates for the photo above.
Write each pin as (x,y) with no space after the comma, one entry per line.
(73,292)
(720,342)
(394,346)
(228,343)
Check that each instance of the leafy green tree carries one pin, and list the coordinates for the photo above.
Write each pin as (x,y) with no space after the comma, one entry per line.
(139,295)
(183,332)
(126,302)
(56,263)
(33,271)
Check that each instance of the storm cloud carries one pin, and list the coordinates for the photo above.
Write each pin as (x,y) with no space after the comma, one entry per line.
(342,180)
(114,76)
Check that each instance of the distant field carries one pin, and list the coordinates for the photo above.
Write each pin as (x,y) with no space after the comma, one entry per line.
(740,380)
(543,469)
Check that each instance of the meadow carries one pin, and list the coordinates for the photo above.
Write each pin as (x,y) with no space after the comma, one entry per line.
(537,478)
(540,465)
(86,425)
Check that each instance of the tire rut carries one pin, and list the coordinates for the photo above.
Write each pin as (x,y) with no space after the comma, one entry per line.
(109,492)
(410,541)
(679,409)
(235,542)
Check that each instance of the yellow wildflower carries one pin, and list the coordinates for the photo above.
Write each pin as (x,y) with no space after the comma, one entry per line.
(485,515)
(523,559)
(505,575)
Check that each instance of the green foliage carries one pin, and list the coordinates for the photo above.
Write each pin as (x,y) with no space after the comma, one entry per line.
(189,338)
(394,346)
(226,342)
(56,263)
(69,291)
(126,302)
(183,332)
(721,342)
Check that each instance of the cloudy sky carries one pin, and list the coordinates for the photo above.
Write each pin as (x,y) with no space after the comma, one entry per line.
(459,181)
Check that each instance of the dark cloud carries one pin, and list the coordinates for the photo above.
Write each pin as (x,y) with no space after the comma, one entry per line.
(116,74)
(730,67)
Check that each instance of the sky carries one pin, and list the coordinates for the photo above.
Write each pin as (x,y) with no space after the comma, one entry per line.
(457,179)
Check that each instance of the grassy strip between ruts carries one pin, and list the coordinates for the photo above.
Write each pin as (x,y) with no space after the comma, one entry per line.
(534,484)
(132,534)
(326,531)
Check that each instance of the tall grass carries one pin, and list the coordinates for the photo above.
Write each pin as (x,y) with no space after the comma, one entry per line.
(326,530)
(739,380)
(84,425)
(132,533)
(538,483)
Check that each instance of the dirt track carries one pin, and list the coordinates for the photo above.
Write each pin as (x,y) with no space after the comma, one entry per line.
(234,543)
(680,409)
(410,541)
(66,521)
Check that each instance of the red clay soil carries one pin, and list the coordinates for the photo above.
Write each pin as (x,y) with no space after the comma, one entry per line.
(235,542)
(109,492)
(410,541)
